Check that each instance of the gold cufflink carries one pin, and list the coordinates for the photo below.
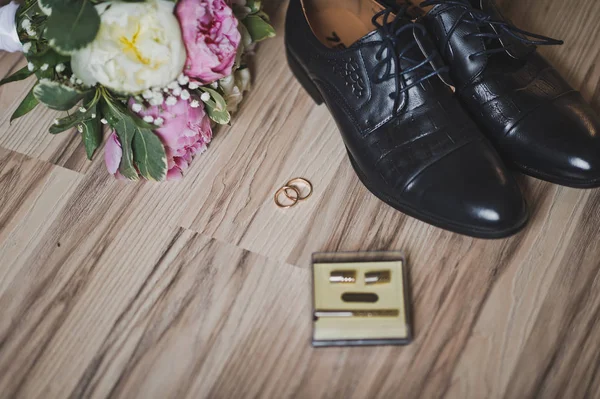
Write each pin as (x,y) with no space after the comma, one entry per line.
(377,277)
(342,276)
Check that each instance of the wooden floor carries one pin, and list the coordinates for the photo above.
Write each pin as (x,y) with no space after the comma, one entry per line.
(201,288)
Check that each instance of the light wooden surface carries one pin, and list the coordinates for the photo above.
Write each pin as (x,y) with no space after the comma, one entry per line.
(201,288)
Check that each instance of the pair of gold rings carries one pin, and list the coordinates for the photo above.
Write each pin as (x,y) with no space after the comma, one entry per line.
(294,191)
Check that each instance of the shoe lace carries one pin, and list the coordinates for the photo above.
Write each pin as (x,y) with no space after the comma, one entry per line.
(480,19)
(390,53)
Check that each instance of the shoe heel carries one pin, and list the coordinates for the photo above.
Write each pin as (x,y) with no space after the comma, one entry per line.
(304,80)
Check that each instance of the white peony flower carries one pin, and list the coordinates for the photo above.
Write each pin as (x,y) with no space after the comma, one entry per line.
(139,46)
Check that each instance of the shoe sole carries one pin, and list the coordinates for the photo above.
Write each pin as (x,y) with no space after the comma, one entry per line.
(314,93)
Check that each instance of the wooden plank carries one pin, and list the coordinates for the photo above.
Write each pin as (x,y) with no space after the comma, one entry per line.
(575,22)
(200,288)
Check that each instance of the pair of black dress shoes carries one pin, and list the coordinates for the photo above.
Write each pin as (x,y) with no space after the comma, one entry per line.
(432,109)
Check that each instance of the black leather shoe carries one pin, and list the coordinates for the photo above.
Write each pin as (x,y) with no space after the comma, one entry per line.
(407,136)
(536,120)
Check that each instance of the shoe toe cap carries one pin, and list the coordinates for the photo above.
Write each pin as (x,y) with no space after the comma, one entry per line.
(471,190)
(560,143)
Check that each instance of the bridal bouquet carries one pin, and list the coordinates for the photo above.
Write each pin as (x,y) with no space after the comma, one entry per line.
(160,74)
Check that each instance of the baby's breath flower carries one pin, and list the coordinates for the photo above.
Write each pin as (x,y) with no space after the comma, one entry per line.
(183,80)
(30,66)
(159,121)
(147,94)
(176,91)
(82,110)
(185,95)
(80,128)
(60,68)
(44,67)
(136,108)
(103,121)
(205,97)
(195,104)
(148,119)
(173,85)
(26,24)
(171,100)
(26,46)
(157,102)
(157,98)
(193,85)
(214,85)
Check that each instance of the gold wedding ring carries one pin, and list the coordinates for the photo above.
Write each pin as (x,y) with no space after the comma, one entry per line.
(292,200)
(294,191)
(303,183)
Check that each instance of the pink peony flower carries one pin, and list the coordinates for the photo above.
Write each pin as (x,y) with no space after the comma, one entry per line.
(113,154)
(211,38)
(185,132)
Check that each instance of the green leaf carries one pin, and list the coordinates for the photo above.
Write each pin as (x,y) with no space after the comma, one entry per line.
(28,8)
(48,5)
(21,74)
(48,56)
(216,107)
(222,117)
(57,96)
(77,118)
(253,5)
(259,28)
(264,16)
(27,105)
(48,74)
(149,155)
(68,122)
(72,24)
(117,117)
(92,136)
(141,147)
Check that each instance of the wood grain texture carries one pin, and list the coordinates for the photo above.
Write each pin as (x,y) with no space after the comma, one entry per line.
(201,288)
